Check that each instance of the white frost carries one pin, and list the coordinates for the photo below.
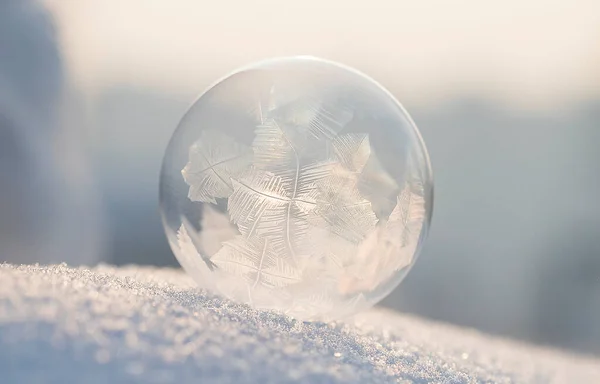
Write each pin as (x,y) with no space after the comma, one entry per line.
(145,325)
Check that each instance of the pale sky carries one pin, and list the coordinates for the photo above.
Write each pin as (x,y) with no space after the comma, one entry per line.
(530,53)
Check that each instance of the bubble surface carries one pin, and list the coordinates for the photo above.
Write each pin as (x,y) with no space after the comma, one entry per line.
(299,185)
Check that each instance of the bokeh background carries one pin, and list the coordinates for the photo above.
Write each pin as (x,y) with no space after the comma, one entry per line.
(506,94)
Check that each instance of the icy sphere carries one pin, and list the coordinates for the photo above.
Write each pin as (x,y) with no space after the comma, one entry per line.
(299,185)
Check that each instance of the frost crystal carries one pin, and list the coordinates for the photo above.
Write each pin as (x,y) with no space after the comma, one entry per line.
(214,159)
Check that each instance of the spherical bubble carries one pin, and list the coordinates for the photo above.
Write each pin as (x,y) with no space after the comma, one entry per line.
(298,185)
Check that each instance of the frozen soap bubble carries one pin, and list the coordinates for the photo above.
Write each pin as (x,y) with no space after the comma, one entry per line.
(298,185)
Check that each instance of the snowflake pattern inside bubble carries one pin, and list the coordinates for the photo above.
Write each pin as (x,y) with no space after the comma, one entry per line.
(297,185)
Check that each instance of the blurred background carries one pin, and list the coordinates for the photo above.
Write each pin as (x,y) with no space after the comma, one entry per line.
(506,94)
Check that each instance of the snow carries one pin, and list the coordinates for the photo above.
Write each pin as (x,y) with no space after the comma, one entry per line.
(146,325)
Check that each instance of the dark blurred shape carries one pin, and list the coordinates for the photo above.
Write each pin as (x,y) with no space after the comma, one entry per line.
(30,63)
(45,215)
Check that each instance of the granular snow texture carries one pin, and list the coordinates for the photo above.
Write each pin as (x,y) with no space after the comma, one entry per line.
(144,325)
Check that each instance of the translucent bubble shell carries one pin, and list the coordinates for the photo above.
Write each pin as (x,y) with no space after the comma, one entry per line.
(298,185)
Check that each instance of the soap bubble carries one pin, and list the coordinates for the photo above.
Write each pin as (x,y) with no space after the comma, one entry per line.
(298,185)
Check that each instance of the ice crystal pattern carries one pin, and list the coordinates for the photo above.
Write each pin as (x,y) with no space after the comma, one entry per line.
(294,197)
(215,160)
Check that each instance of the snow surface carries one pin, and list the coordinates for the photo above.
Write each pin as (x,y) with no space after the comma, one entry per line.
(145,325)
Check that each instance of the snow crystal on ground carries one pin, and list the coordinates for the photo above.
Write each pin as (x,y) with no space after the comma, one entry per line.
(144,325)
